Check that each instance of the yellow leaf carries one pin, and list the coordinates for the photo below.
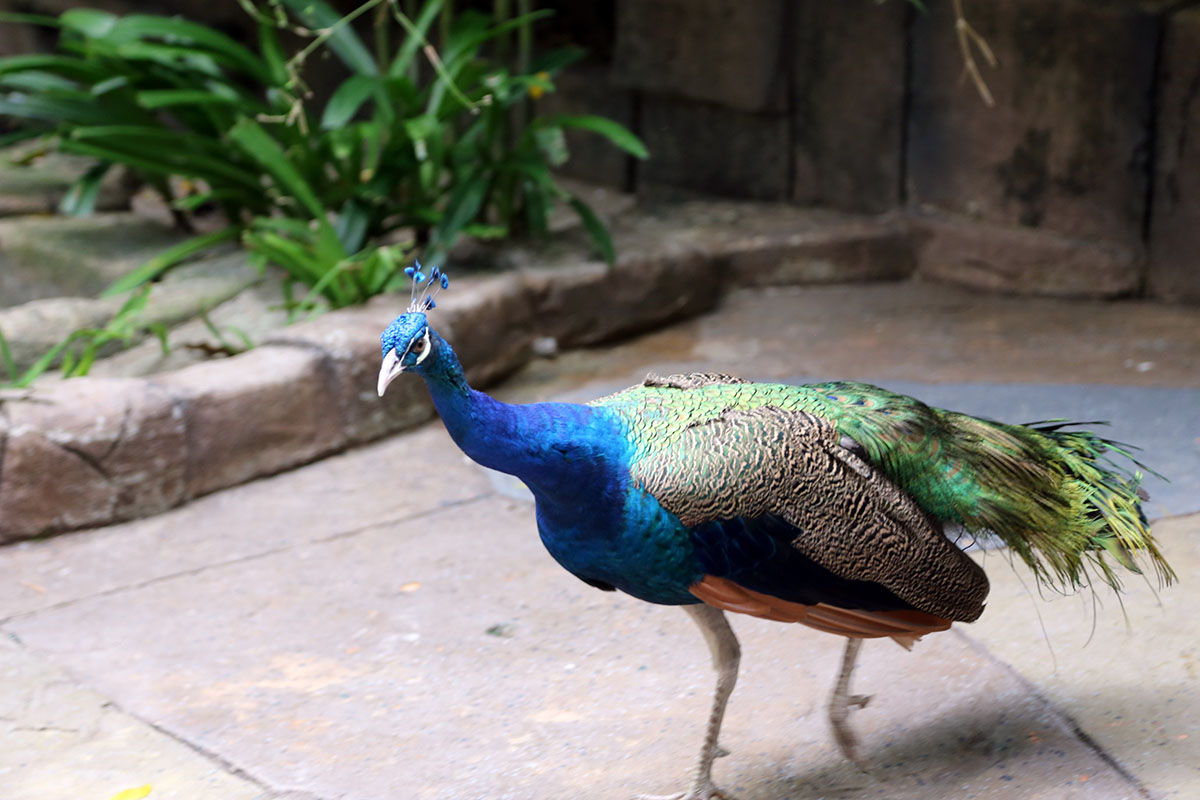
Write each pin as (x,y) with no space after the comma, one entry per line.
(133,794)
(411,586)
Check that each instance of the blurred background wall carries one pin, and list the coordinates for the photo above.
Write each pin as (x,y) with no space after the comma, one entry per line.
(1082,179)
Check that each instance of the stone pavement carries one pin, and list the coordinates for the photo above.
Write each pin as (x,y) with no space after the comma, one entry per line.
(385,624)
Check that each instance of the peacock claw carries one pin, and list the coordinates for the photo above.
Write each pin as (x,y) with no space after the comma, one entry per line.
(858,700)
(843,734)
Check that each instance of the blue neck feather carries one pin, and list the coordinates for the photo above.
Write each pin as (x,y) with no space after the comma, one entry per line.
(562,451)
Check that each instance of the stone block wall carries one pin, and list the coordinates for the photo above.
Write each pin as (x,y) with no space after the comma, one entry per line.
(1083,167)
(1174,219)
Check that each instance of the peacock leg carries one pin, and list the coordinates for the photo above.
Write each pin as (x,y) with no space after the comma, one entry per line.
(725,654)
(841,701)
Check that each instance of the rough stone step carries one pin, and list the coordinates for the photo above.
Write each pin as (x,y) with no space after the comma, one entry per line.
(33,328)
(75,256)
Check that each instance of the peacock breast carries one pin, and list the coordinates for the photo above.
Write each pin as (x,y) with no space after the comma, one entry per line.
(631,543)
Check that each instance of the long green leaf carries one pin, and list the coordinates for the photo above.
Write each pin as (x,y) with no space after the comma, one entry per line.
(557,59)
(351,226)
(90,22)
(170,258)
(34,80)
(259,145)
(44,363)
(615,132)
(149,154)
(146,26)
(165,98)
(272,52)
(53,109)
(64,65)
(6,358)
(463,206)
(347,99)
(596,229)
(80,199)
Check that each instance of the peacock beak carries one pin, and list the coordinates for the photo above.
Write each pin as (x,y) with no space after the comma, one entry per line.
(389,370)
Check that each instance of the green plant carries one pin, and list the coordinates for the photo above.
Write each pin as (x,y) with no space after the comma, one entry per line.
(78,350)
(440,151)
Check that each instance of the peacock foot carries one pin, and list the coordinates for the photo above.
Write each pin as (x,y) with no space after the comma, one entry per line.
(701,790)
(843,734)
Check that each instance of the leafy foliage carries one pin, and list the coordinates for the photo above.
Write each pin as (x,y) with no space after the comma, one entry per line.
(433,147)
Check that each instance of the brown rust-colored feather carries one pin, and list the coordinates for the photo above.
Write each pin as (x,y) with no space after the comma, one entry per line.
(904,626)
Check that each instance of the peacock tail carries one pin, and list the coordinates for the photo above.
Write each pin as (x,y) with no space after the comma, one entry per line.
(1053,495)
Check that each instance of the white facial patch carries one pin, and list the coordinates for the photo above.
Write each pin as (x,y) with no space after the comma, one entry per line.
(428,347)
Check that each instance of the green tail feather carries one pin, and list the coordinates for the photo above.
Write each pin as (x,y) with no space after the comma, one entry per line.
(1054,496)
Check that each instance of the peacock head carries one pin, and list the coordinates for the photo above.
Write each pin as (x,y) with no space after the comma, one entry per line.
(409,341)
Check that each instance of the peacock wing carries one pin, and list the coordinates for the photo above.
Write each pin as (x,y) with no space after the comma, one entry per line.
(768,463)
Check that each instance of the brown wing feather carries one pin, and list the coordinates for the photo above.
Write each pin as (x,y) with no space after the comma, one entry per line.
(849,518)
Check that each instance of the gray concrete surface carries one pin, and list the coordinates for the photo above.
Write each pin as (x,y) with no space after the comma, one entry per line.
(335,632)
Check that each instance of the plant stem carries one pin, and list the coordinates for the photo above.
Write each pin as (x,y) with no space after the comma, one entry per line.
(524,58)
(382,48)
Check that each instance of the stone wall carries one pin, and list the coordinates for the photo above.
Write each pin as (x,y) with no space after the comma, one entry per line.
(1080,180)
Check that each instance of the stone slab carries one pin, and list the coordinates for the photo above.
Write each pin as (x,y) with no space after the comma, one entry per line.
(848,66)
(87,452)
(853,250)
(267,410)
(579,305)
(242,523)
(74,256)
(1065,147)
(1021,260)
(443,658)
(724,52)
(62,740)
(1174,236)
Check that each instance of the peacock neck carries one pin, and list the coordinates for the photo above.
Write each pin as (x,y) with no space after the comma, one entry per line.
(558,449)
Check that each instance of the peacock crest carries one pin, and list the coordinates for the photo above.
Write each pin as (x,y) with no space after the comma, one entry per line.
(425,288)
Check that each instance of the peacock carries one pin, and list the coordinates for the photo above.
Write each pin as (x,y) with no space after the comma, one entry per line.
(829,504)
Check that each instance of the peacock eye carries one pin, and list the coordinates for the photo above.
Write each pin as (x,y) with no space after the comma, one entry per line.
(418,346)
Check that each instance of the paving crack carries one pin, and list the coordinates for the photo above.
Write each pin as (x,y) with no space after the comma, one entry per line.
(210,755)
(1071,724)
(345,534)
